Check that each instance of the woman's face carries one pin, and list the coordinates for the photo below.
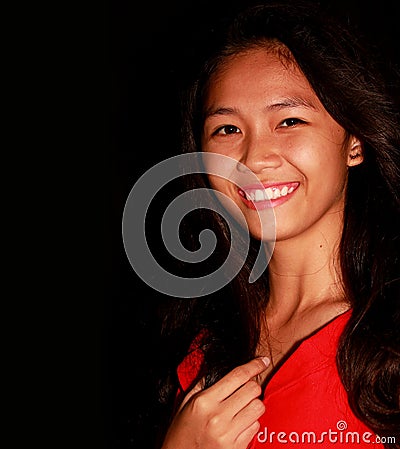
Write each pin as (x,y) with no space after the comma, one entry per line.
(264,114)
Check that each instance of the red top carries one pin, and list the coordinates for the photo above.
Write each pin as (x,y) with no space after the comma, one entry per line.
(306,404)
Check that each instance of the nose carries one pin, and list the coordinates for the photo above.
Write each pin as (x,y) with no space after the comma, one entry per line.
(260,154)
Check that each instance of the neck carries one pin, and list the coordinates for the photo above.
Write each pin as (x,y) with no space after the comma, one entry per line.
(304,272)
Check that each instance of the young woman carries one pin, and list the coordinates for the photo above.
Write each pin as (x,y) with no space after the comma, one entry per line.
(310,353)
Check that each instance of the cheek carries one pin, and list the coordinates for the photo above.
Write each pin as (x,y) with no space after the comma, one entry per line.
(319,157)
(217,183)
(334,167)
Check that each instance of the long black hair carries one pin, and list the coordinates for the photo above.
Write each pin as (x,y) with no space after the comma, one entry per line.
(350,85)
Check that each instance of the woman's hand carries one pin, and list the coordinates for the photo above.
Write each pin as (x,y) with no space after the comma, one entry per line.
(224,416)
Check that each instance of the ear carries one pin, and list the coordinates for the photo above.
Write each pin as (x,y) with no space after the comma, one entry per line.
(355,152)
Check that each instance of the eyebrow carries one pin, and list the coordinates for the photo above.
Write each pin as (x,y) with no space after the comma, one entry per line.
(291,102)
(282,103)
(210,112)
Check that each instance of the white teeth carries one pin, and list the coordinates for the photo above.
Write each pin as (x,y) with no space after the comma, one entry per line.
(268,193)
(259,195)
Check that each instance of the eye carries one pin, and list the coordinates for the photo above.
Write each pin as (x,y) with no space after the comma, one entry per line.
(291,122)
(227,130)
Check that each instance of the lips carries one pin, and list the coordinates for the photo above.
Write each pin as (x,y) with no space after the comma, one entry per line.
(272,195)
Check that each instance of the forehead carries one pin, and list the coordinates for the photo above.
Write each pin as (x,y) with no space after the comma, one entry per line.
(259,71)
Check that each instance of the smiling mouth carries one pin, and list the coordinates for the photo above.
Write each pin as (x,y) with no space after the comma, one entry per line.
(270,196)
(270,191)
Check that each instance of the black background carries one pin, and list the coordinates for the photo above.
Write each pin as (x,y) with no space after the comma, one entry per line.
(149,51)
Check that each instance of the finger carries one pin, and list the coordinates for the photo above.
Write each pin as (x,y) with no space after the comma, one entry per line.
(247,417)
(237,377)
(243,439)
(242,397)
